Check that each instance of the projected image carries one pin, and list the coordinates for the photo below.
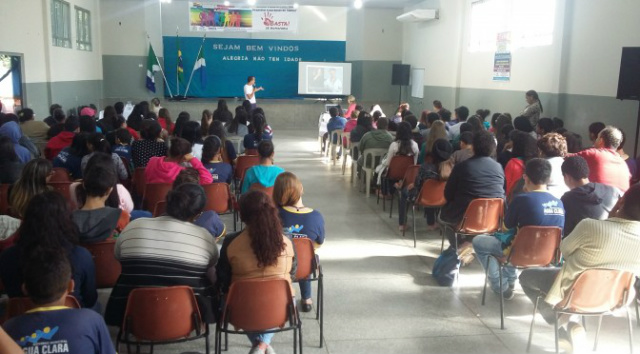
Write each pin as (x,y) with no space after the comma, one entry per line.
(324,79)
(315,77)
(333,80)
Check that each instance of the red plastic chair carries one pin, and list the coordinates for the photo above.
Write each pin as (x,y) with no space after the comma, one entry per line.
(533,246)
(482,217)
(431,196)
(259,306)
(160,208)
(220,199)
(60,174)
(398,167)
(243,163)
(251,152)
(309,268)
(259,187)
(157,316)
(154,193)
(108,268)
(64,188)
(138,181)
(4,199)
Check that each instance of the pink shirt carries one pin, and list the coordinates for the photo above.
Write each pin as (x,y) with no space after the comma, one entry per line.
(160,171)
(606,167)
(126,203)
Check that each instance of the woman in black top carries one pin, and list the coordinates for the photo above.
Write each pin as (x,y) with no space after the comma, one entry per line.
(150,145)
(222,113)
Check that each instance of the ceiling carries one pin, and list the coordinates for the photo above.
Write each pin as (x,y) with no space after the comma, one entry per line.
(346,3)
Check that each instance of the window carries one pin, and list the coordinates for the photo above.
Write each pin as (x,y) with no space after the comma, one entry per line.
(60,24)
(83,29)
(529,22)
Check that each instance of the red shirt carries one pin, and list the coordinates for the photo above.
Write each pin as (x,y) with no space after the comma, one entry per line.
(513,172)
(606,167)
(134,134)
(57,143)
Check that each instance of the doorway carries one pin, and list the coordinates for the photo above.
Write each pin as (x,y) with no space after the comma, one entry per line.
(11,82)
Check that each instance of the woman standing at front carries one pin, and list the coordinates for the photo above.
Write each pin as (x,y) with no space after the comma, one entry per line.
(533,109)
(260,251)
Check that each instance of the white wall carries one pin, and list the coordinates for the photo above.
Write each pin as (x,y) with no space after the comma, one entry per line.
(374,34)
(125,25)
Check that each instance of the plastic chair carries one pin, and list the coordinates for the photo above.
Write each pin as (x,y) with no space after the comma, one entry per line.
(153,193)
(431,196)
(160,208)
(375,158)
(251,152)
(483,216)
(338,134)
(220,199)
(60,174)
(309,268)
(108,268)
(243,163)
(533,246)
(346,151)
(64,188)
(4,199)
(259,306)
(156,316)
(17,306)
(238,141)
(583,299)
(398,167)
(261,188)
(138,181)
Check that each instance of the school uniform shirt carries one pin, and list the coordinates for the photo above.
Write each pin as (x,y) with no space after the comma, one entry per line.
(123,151)
(298,224)
(251,142)
(143,150)
(220,171)
(59,329)
(537,208)
(265,175)
(70,161)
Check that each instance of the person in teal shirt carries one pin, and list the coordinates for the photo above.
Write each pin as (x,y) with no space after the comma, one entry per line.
(266,172)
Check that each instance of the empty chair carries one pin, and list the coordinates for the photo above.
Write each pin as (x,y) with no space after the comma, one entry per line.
(309,268)
(372,158)
(154,193)
(346,151)
(166,315)
(108,268)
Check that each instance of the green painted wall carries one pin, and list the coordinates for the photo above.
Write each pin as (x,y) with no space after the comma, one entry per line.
(69,94)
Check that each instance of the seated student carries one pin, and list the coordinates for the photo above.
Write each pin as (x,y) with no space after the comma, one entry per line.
(227,148)
(436,167)
(52,327)
(260,251)
(585,200)
(266,172)
(553,147)
(267,127)
(96,222)
(535,207)
(238,126)
(165,169)
(461,115)
(611,243)
(436,131)
(594,130)
(12,131)
(123,141)
(166,251)
(544,127)
(466,149)
(47,224)
(605,165)
(376,139)
(258,132)
(478,177)
(149,146)
(415,132)
(523,124)
(524,148)
(32,181)
(363,126)
(336,122)
(164,119)
(192,132)
(71,156)
(62,140)
(298,221)
(403,145)
(212,160)
(352,120)
(33,129)
(51,120)
(58,118)
(10,164)
(97,143)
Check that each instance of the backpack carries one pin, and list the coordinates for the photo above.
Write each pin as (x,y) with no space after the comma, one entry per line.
(446,267)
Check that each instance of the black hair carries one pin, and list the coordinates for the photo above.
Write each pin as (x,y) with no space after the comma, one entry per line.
(186,202)
(467,138)
(574,142)
(46,274)
(79,144)
(87,124)
(595,128)
(58,115)
(53,107)
(210,148)
(462,113)
(576,167)
(250,78)
(124,136)
(365,120)
(179,148)
(437,104)
(484,144)
(258,126)
(191,132)
(524,145)
(134,121)
(25,114)
(72,123)
(432,117)
(445,114)
(7,150)
(412,120)
(333,112)
(546,125)
(466,127)
(506,131)
(151,115)
(98,179)
(240,118)
(403,137)
(383,123)
(217,129)
(99,143)
(119,106)
(247,106)
(522,123)
(150,130)
(183,118)
(557,123)
(494,119)
(102,162)
(532,93)
(187,175)
(538,171)
(265,149)
(483,113)
(476,124)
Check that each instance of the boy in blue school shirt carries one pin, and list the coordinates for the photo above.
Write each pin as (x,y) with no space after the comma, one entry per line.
(536,207)
(52,327)
(123,144)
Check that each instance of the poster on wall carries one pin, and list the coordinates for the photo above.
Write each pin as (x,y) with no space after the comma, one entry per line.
(502,57)
(220,18)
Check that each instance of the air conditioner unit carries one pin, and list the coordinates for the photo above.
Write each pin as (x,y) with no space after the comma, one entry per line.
(418,15)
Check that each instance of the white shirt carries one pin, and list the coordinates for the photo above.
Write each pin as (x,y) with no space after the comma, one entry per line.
(248,89)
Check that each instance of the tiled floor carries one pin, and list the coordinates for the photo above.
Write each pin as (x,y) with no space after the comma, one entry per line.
(380,296)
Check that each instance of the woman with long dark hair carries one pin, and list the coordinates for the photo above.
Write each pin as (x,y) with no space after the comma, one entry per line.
(228,150)
(47,225)
(259,251)
(182,119)
(364,125)
(222,113)
(32,182)
(98,143)
(164,119)
(212,160)
(524,149)
(238,126)
(258,134)
(149,146)
(71,156)
(533,110)
(205,123)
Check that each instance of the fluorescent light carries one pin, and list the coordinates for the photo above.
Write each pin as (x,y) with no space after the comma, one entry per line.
(227,3)
(252,2)
(357,4)
(166,1)
(295,5)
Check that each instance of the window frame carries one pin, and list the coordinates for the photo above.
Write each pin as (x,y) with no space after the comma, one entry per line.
(61,24)
(84,40)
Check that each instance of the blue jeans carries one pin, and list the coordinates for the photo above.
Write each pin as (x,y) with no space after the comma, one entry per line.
(429,213)
(305,289)
(257,338)
(485,246)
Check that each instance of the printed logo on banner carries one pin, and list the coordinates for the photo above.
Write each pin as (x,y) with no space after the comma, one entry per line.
(205,18)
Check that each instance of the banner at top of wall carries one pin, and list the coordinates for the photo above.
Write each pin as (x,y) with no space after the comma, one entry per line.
(220,18)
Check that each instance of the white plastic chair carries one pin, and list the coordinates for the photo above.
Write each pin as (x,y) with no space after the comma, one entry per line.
(238,141)
(338,134)
(375,158)
(346,151)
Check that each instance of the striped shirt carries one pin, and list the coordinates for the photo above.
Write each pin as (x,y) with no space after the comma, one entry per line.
(611,244)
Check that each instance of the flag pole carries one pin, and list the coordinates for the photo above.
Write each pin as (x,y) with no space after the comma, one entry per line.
(160,66)
(177,65)
(194,65)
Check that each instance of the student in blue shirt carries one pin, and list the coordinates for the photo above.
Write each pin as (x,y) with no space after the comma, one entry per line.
(534,207)
(258,132)
(298,221)
(123,144)
(266,172)
(336,122)
(212,160)
(71,157)
(52,327)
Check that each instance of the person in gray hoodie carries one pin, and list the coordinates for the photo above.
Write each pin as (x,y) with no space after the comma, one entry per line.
(585,200)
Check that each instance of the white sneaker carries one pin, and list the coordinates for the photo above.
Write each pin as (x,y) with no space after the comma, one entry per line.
(270,350)
(256,350)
